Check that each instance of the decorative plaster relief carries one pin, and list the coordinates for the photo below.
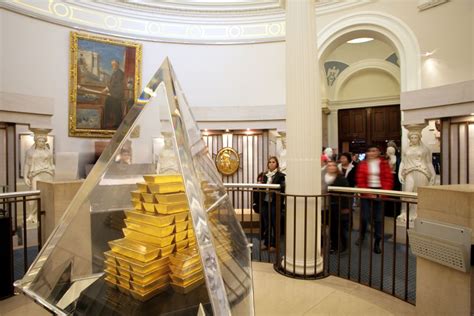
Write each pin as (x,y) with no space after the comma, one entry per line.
(393,59)
(333,69)
(171,21)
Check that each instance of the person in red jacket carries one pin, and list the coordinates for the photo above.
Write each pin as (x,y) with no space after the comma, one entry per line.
(373,173)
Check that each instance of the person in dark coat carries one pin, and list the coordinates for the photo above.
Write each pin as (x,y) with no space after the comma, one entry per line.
(347,168)
(269,209)
(339,207)
(115,95)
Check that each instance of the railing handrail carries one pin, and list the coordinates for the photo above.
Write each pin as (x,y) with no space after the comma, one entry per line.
(252,185)
(19,194)
(393,193)
(261,186)
(374,191)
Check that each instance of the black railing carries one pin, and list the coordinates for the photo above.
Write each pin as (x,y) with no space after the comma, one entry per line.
(315,237)
(16,205)
(384,261)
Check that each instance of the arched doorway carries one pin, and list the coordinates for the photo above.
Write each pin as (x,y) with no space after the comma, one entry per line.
(369,74)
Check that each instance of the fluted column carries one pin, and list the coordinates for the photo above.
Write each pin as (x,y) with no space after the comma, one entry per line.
(303,124)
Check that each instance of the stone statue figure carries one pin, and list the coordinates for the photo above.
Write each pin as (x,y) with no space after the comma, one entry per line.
(282,152)
(167,160)
(392,158)
(416,168)
(332,75)
(38,166)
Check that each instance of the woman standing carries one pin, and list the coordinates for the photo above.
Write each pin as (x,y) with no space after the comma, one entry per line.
(339,207)
(268,215)
(347,168)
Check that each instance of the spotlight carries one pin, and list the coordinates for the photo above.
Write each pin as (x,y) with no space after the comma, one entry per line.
(360,40)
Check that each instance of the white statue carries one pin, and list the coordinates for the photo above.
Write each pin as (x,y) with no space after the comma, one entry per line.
(392,158)
(38,166)
(416,168)
(282,152)
(329,153)
(167,160)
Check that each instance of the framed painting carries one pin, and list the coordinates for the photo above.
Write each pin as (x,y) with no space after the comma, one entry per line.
(104,83)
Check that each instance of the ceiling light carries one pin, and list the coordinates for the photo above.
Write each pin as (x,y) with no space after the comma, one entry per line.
(360,40)
(428,54)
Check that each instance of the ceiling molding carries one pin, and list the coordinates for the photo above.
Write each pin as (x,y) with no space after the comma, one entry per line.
(363,103)
(176,24)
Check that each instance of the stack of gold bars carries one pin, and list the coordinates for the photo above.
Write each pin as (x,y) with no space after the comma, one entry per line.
(158,238)
(186,270)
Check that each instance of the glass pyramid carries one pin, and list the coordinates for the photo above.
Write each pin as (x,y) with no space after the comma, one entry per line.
(159,136)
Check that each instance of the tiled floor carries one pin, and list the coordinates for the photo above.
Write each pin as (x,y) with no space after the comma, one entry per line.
(279,295)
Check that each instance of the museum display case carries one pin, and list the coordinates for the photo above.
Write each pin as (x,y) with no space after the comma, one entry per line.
(152,229)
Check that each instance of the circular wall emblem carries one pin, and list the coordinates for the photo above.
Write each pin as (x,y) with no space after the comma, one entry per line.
(227,161)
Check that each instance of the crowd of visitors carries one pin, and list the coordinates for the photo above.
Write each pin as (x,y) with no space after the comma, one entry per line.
(372,170)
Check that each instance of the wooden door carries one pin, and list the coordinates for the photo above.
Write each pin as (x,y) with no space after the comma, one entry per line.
(373,125)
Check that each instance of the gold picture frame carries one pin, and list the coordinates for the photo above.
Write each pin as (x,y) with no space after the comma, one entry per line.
(104,83)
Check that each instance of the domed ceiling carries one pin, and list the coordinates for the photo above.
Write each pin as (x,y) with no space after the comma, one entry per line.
(182,21)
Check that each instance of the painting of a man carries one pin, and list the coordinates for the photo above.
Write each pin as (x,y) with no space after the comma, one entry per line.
(106,81)
(115,96)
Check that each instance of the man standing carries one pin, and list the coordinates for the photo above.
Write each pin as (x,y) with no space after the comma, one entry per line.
(373,173)
(115,93)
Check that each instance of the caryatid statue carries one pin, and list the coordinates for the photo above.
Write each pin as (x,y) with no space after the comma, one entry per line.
(38,164)
(416,167)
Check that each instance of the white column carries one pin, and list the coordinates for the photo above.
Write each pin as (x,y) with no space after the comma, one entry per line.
(303,124)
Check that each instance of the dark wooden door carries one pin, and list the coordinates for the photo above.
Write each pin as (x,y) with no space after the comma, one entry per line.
(373,125)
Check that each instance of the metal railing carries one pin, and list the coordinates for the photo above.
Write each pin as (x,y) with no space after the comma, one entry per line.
(383,262)
(16,204)
(316,231)
(290,229)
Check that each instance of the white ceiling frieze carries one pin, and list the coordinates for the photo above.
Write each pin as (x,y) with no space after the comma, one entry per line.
(243,21)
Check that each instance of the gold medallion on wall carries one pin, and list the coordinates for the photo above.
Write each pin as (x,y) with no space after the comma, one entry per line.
(227,161)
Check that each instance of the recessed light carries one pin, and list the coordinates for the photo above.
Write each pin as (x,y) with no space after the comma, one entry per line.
(360,40)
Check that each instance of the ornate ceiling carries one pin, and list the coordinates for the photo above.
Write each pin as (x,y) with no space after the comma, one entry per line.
(182,21)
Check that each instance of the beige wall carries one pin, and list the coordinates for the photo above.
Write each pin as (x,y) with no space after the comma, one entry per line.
(369,84)
(350,53)
(448,28)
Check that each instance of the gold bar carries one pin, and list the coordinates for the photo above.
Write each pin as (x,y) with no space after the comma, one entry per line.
(150,229)
(171,198)
(155,220)
(163,178)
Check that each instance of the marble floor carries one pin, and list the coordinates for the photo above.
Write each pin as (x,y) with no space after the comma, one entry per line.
(279,295)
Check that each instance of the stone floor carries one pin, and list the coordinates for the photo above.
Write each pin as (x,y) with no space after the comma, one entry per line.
(279,295)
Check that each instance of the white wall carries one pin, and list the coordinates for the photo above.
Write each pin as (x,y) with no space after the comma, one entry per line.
(37,63)
(2,27)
